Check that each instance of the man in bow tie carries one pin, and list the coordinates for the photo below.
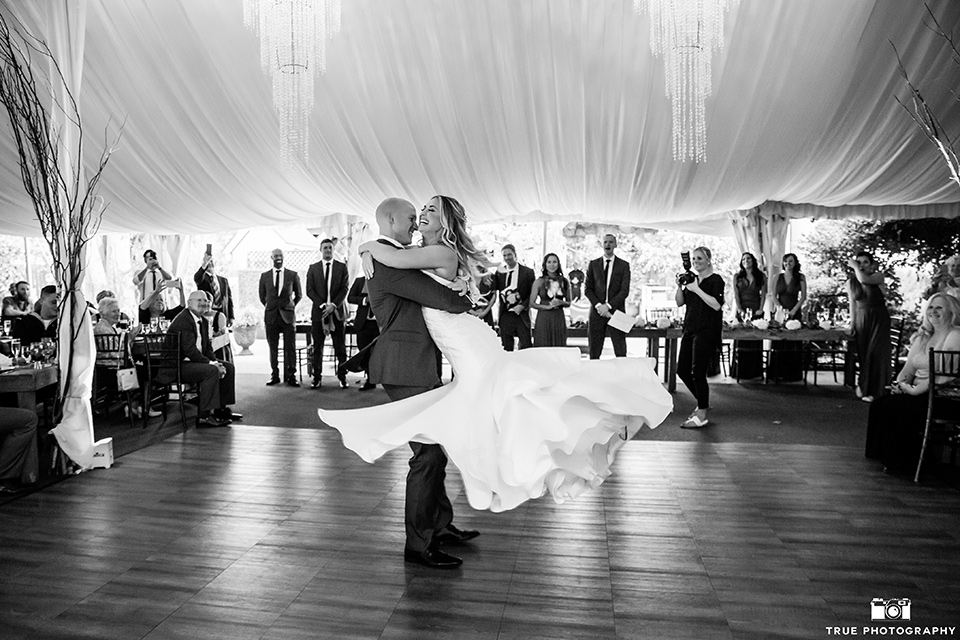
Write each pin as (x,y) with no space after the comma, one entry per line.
(607,287)
(514,281)
(327,286)
(279,293)
(214,379)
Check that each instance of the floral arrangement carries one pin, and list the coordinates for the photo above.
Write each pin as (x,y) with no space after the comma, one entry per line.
(664,323)
(246,318)
(792,325)
(761,324)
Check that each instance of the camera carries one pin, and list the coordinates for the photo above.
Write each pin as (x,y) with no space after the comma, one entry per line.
(892,609)
(687,275)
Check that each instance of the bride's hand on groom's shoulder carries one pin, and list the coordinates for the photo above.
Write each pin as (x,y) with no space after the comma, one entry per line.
(366,261)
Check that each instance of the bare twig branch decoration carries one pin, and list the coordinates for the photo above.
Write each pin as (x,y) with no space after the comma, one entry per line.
(921,112)
(69,211)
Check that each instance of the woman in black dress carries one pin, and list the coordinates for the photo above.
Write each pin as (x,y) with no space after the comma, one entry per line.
(702,328)
(791,293)
(750,289)
(870,322)
(550,294)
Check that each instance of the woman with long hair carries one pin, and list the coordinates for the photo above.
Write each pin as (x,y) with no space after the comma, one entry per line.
(750,290)
(551,294)
(896,419)
(791,292)
(702,329)
(870,323)
(518,425)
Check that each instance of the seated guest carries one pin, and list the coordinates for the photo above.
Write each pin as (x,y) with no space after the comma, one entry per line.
(109,324)
(17,304)
(19,463)
(215,379)
(947,279)
(898,417)
(219,325)
(37,325)
(154,306)
(124,322)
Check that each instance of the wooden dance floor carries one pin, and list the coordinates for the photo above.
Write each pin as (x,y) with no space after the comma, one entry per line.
(275,533)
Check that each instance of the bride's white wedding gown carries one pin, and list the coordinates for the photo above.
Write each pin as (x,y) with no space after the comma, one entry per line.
(517,425)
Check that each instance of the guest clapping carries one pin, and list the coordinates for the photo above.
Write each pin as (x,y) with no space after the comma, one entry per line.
(550,295)
(702,327)
(896,420)
(870,325)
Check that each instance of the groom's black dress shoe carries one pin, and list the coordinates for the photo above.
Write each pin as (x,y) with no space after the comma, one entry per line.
(273,381)
(452,535)
(433,558)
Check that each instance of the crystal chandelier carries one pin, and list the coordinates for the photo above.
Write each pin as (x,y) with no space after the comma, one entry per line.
(685,33)
(293,49)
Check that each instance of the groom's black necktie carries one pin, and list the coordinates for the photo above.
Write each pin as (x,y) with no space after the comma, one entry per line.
(606,282)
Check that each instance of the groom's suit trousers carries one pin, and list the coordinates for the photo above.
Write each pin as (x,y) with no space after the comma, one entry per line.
(428,509)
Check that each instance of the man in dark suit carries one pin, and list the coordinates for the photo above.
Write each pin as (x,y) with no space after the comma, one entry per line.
(214,379)
(606,287)
(279,293)
(514,281)
(206,279)
(404,362)
(364,324)
(327,286)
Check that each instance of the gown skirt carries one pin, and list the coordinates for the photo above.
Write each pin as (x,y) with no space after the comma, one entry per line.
(517,425)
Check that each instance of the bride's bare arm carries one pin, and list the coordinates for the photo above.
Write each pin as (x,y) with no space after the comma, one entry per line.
(429,257)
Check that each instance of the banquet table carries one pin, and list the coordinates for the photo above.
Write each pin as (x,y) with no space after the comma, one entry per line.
(26,382)
(671,340)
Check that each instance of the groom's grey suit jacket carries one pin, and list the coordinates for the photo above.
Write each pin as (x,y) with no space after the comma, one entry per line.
(404,354)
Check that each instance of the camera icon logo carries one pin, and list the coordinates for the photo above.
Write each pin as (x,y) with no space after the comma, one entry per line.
(890,609)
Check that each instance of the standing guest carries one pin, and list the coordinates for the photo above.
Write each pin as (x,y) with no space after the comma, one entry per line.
(607,287)
(364,324)
(896,419)
(750,290)
(214,378)
(791,292)
(870,323)
(17,304)
(279,294)
(327,286)
(155,307)
(551,294)
(19,463)
(514,282)
(207,279)
(37,325)
(488,296)
(702,328)
(151,277)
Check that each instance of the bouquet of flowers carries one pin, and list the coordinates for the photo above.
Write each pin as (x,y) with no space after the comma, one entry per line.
(761,324)
(792,325)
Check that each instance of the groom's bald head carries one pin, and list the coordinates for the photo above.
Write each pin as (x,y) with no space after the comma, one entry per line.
(397,219)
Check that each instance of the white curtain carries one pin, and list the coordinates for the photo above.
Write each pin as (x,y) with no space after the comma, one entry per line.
(65,38)
(762,231)
(534,110)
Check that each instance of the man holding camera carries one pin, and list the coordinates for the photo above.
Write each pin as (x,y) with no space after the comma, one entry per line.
(207,279)
(607,287)
(151,277)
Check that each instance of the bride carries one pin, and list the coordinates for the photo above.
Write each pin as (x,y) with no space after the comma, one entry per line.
(517,425)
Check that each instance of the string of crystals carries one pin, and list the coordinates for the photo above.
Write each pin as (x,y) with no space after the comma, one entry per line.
(685,33)
(293,50)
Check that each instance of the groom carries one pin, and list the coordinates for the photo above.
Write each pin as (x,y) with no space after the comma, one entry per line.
(404,361)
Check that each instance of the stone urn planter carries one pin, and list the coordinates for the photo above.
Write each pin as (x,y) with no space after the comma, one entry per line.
(245,336)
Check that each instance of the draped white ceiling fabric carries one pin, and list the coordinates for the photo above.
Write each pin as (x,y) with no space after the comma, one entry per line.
(525,110)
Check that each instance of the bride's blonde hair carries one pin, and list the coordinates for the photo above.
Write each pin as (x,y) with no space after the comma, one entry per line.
(453,225)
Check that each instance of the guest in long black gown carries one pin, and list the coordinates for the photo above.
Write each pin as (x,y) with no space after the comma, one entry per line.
(791,292)
(870,324)
(896,420)
(550,295)
(750,290)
